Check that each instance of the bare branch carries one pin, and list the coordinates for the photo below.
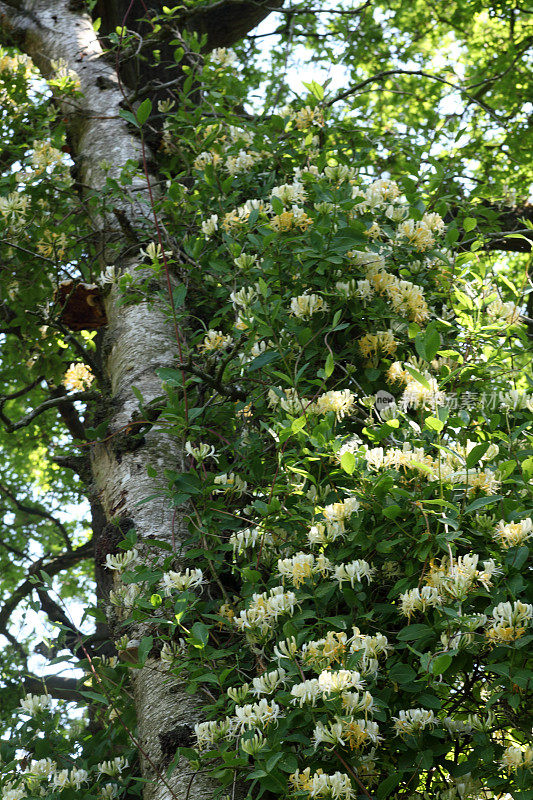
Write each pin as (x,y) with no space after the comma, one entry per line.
(37,512)
(53,402)
(387,73)
(64,561)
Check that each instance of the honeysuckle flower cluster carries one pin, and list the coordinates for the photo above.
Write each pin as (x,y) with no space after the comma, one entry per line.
(215,340)
(121,561)
(181,581)
(306,305)
(78,377)
(513,534)
(201,451)
(413,720)
(264,609)
(113,767)
(32,704)
(337,786)
(509,621)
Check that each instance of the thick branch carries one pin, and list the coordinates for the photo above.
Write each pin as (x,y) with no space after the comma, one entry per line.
(227,21)
(54,685)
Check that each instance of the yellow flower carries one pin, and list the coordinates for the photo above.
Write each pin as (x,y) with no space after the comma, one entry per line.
(78,377)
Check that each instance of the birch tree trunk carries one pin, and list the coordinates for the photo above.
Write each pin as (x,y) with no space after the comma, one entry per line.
(137,341)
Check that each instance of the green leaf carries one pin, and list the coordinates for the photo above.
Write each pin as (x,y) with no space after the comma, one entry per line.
(483,501)
(469,224)
(385,787)
(413,632)
(391,512)
(440,663)
(128,116)
(476,454)
(144,111)
(315,88)
(98,698)
(199,635)
(179,294)
(417,376)
(261,360)
(298,424)
(145,646)
(434,424)
(506,468)
(348,462)
(431,341)
(527,468)
(330,365)
(402,673)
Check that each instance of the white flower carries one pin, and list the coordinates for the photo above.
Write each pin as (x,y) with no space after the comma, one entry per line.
(289,192)
(230,482)
(413,720)
(190,579)
(61,779)
(34,703)
(504,313)
(268,682)
(340,402)
(210,225)
(419,600)
(244,298)
(338,681)
(215,340)
(11,793)
(286,648)
(77,777)
(264,610)
(250,538)
(238,693)
(307,692)
(113,767)
(322,786)
(254,745)
(121,561)
(207,733)
(201,451)
(297,568)
(353,701)
(514,757)
(332,734)
(41,768)
(246,261)
(513,534)
(306,305)
(354,571)
(223,56)
(256,714)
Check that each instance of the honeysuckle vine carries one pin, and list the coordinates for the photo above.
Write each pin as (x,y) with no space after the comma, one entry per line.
(352,601)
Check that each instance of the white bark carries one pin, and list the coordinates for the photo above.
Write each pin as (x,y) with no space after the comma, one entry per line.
(138,341)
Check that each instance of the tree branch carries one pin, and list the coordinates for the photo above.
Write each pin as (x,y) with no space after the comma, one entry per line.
(54,685)
(64,561)
(37,512)
(387,73)
(53,402)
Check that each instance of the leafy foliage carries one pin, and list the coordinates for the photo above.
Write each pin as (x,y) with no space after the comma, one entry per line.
(354,410)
